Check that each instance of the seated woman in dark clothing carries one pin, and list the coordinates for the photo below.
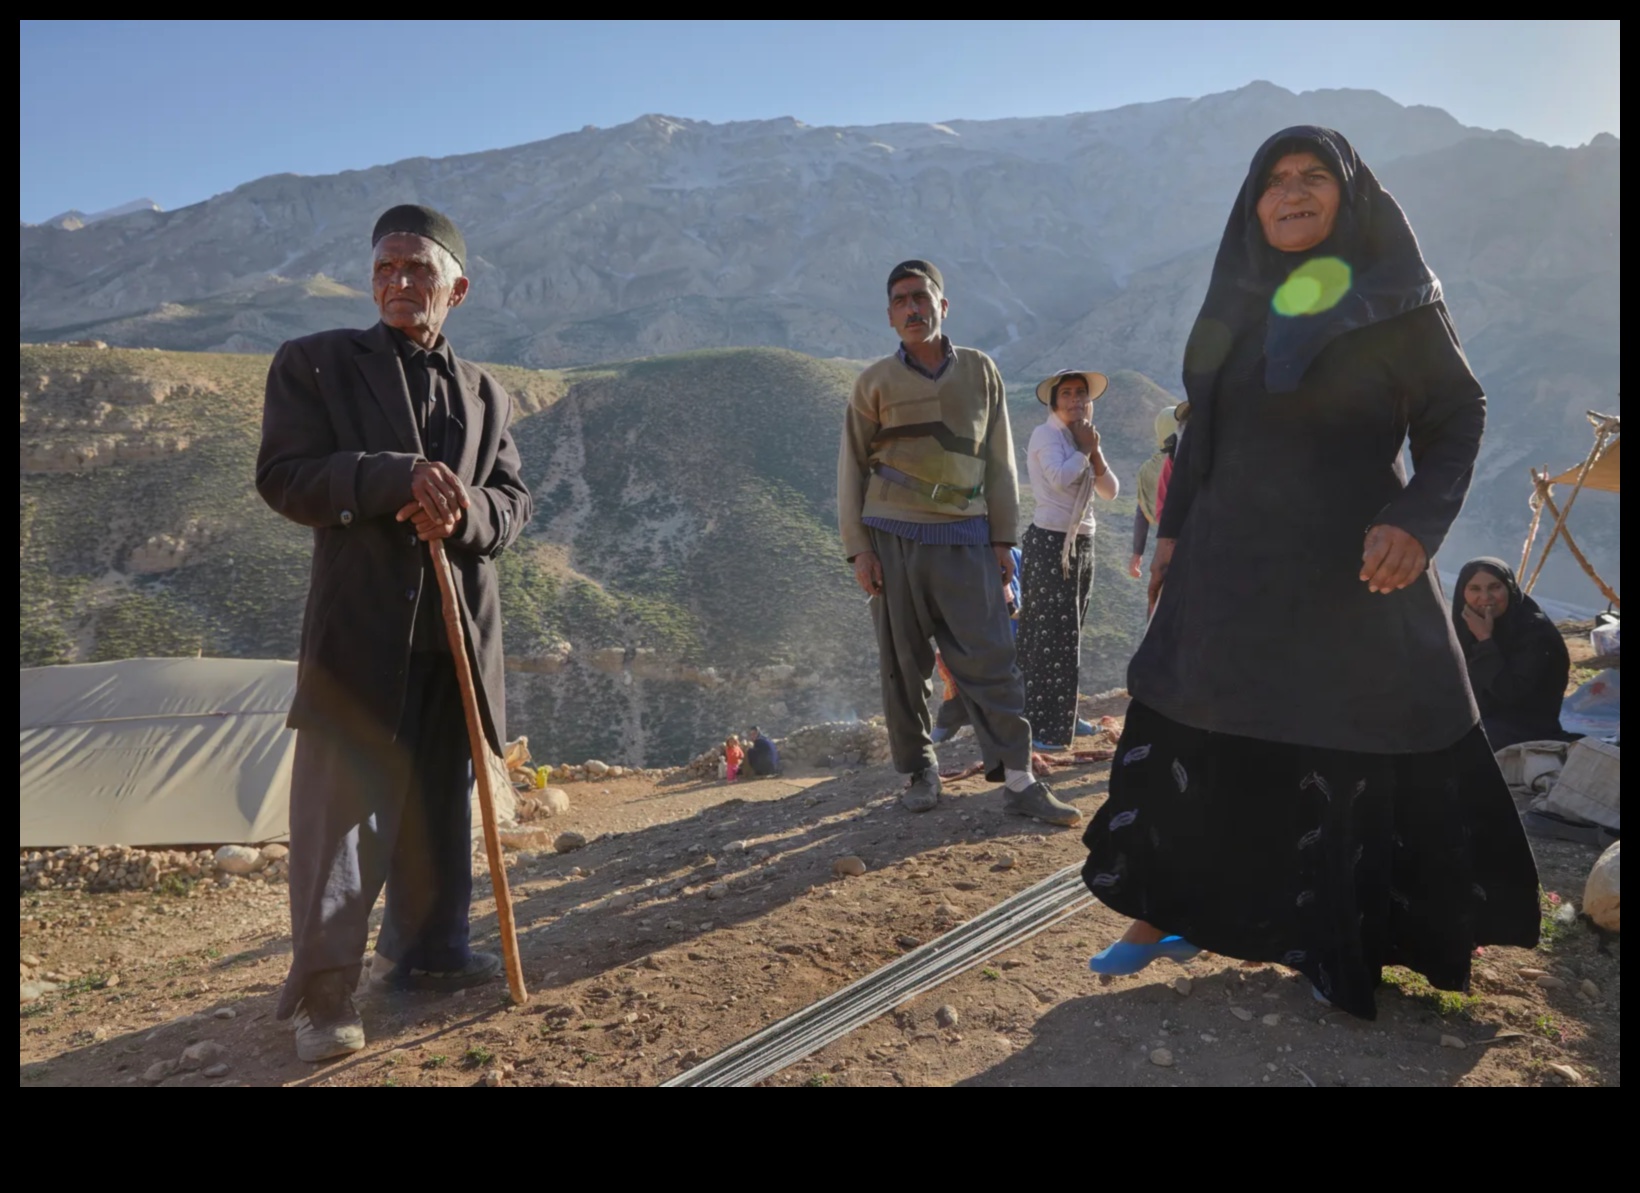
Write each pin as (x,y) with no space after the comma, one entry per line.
(1517,659)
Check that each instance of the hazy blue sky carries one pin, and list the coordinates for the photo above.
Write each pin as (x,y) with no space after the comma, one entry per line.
(179,111)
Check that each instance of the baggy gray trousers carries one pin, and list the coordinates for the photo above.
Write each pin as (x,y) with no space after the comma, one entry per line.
(367,814)
(951,596)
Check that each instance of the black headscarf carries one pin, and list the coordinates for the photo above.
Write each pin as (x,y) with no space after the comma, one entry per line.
(1523,617)
(1387,276)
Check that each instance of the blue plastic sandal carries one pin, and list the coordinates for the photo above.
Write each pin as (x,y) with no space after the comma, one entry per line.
(1042,745)
(1122,959)
(1085,728)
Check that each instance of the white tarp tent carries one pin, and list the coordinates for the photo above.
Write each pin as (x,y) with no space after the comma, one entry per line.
(155,752)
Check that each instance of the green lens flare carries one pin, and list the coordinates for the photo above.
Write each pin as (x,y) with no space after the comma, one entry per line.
(1317,285)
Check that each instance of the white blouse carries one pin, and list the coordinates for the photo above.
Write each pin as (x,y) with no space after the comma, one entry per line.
(1056,469)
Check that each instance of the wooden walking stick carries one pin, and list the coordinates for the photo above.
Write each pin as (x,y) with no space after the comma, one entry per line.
(481,771)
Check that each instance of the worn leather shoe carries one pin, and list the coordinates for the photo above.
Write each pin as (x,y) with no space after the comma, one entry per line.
(1039,802)
(923,793)
(327,1022)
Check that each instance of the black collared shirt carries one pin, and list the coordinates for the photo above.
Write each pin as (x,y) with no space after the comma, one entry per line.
(431,374)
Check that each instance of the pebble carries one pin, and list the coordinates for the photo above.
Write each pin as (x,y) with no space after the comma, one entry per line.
(947,1016)
(1005,861)
(1452,1042)
(946,912)
(30,960)
(216,1070)
(1272,1021)
(31,991)
(908,942)
(717,890)
(1182,986)
(1534,974)
(624,900)
(1567,1072)
(225,1013)
(1161,1058)
(735,847)
(275,853)
(1242,1013)
(568,842)
(674,925)
(965,885)
(159,1070)
(1550,982)
(201,1055)
(848,867)
(652,962)
(1590,988)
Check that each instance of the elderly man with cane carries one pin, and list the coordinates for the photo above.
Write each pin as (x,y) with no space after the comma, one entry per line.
(396,452)
(928,507)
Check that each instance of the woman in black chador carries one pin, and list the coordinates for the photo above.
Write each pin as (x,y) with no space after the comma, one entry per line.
(1301,778)
(1518,662)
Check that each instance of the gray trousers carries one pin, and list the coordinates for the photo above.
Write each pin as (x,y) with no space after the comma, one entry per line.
(951,596)
(364,815)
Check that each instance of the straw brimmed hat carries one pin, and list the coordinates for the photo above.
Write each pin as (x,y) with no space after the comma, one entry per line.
(1096,384)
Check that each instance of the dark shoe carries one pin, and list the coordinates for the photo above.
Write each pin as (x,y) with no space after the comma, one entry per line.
(327,1022)
(923,793)
(387,977)
(1038,802)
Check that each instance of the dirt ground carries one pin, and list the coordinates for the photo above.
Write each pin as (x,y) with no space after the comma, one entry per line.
(701,913)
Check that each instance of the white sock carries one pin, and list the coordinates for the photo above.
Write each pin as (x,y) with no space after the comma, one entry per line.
(1017,780)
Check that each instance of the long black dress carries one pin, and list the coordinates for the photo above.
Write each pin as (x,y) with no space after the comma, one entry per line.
(1301,777)
(1518,674)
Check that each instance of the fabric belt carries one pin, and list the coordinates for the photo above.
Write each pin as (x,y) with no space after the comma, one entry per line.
(944,494)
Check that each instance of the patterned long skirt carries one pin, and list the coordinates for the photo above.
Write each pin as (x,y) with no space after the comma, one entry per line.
(1333,863)
(1053,608)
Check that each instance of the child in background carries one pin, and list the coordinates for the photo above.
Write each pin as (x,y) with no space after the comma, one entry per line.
(733,756)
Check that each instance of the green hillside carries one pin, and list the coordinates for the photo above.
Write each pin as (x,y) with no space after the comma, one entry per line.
(681,576)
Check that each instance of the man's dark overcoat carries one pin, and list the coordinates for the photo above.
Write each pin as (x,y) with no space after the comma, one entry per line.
(339,440)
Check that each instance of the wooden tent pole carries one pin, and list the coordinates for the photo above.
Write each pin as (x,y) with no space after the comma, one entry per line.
(1577,554)
(1560,520)
(1537,518)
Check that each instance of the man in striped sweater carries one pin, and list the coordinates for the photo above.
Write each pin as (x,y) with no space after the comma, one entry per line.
(928,507)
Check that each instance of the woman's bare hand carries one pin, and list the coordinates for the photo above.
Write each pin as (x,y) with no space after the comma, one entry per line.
(1391,559)
(1480,624)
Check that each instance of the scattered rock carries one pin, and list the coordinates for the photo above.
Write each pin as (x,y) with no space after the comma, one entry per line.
(496,1076)
(1602,893)
(908,942)
(159,1071)
(1452,1042)
(1161,1058)
(1005,861)
(848,867)
(1590,988)
(596,769)
(216,1070)
(965,885)
(1549,982)
(947,1016)
(239,860)
(717,890)
(30,991)
(1566,1072)
(1532,975)
(30,960)
(652,962)
(1271,1021)
(569,842)
(1183,986)
(201,1055)
(275,852)
(946,912)
(225,1013)
(552,801)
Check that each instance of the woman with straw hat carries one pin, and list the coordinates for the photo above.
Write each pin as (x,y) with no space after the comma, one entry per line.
(1067,468)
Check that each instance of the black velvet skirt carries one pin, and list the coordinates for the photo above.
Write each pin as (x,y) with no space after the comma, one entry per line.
(1333,863)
